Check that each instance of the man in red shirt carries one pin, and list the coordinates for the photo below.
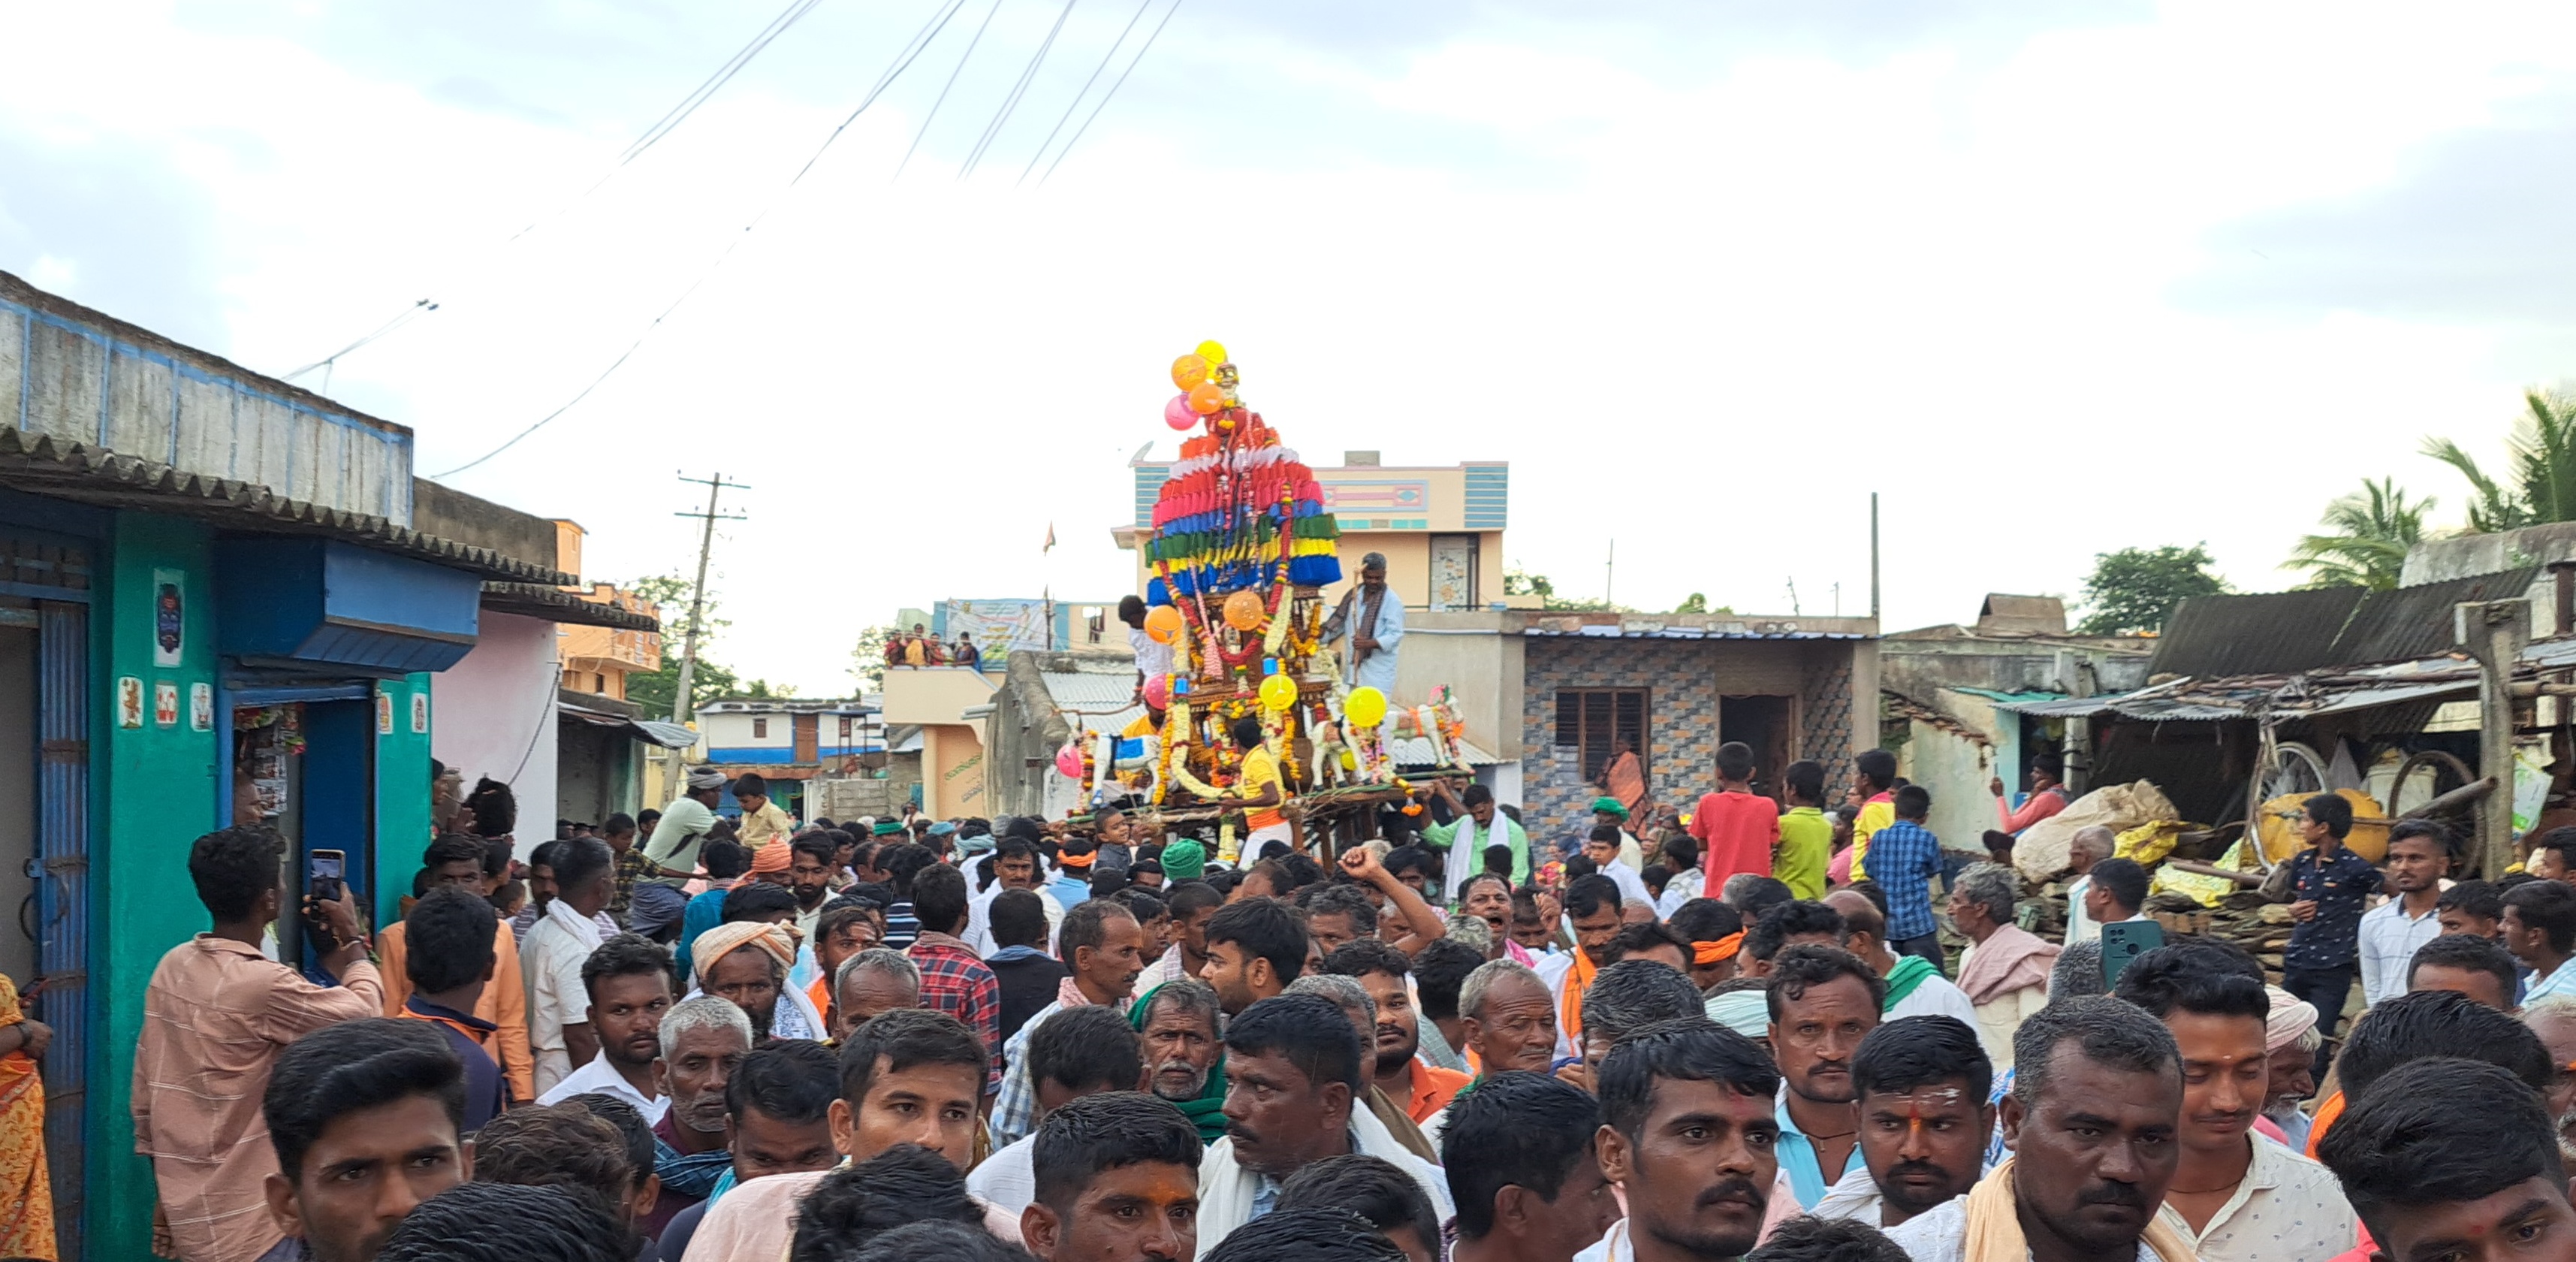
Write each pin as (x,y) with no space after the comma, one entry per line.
(2047,795)
(1737,830)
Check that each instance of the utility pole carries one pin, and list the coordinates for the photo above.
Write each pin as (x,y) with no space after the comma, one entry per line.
(680,699)
(1609,572)
(2495,633)
(1873,556)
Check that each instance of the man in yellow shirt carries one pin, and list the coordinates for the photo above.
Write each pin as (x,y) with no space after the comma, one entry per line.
(762,820)
(1260,792)
(1876,772)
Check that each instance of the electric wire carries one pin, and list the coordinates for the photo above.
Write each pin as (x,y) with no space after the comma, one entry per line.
(410,313)
(1111,54)
(894,69)
(1141,50)
(1012,101)
(943,90)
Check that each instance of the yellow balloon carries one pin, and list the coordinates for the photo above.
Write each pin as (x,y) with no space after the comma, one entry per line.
(1365,708)
(1213,353)
(1279,692)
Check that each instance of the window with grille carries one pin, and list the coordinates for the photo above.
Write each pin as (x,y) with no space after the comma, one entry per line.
(759,728)
(1588,720)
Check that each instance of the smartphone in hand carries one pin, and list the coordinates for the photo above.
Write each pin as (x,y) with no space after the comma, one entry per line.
(2126,940)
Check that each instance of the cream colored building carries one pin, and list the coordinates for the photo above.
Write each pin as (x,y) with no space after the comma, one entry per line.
(1439,526)
(936,699)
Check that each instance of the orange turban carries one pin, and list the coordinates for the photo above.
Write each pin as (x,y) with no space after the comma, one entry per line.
(773,857)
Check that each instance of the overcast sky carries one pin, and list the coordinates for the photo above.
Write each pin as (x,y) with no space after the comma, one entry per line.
(2054,279)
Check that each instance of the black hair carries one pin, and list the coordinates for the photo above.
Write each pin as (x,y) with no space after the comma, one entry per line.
(1017,918)
(1086,925)
(2331,810)
(1631,995)
(1403,859)
(233,867)
(449,940)
(2195,977)
(2444,840)
(1808,965)
(1360,957)
(2471,954)
(447,848)
(1683,850)
(1600,832)
(1090,1048)
(1706,920)
(1015,848)
(1648,935)
(939,898)
(350,1068)
(758,900)
(2548,906)
(508,1222)
(630,1123)
(2439,1131)
(2483,899)
(580,861)
(1760,895)
(1306,1235)
(725,859)
(498,854)
(1341,900)
(544,852)
(496,809)
(1913,1052)
(1679,1051)
(1735,761)
(821,845)
(903,862)
(1108,882)
(1266,928)
(1188,898)
(2124,881)
(1912,802)
(2104,1030)
(1587,895)
(1515,1129)
(905,1188)
(1878,765)
(1310,1032)
(1440,969)
(749,784)
(1106,1132)
(1246,732)
(1797,918)
(1142,903)
(2425,1024)
(905,1038)
(785,1080)
(1371,1187)
(1807,1238)
(627,955)
(617,824)
(557,1145)
(1475,795)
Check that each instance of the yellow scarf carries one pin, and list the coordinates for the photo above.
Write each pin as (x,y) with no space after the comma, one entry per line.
(1994,1225)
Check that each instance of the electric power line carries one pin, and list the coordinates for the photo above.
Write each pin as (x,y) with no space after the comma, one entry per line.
(902,61)
(410,313)
(1012,101)
(1141,50)
(943,90)
(1106,57)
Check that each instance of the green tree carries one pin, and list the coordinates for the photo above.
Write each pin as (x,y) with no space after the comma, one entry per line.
(2372,530)
(867,660)
(1696,602)
(1520,582)
(2134,590)
(2540,475)
(656,690)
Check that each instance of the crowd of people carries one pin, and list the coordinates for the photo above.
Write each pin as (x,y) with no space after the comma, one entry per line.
(737,1037)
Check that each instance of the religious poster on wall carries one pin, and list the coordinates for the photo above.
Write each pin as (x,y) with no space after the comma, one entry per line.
(384,712)
(201,707)
(165,703)
(169,617)
(129,701)
(420,714)
(265,740)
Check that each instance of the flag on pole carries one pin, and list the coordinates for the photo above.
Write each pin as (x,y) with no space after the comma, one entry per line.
(1050,543)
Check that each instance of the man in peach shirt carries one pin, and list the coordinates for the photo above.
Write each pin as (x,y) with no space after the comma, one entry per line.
(215,1017)
(455,860)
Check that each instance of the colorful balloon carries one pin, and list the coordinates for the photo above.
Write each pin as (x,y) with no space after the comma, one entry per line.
(1212,354)
(1162,624)
(1206,397)
(1244,612)
(1068,760)
(1189,370)
(1365,708)
(1279,692)
(1158,691)
(1177,413)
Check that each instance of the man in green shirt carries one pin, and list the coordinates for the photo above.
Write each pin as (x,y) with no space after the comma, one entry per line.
(1806,836)
(1477,824)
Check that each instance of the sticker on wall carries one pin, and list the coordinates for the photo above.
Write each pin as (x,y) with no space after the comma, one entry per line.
(201,707)
(420,714)
(169,618)
(129,701)
(384,713)
(165,703)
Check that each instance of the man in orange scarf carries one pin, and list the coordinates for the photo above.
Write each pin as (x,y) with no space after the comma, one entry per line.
(1592,902)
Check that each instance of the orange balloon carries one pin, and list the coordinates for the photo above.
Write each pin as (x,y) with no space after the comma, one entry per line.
(1243,611)
(1188,371)
(1206,397)
(1162,624)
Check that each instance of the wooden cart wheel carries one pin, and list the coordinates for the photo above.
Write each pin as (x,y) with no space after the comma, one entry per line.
(2441,773)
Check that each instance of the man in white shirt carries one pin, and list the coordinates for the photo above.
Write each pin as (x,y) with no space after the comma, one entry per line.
(1687,1135)
(1085,1052)
(658,901)
(2087,847)
(1015,867)
(1602,848)
(2419,856)
(1153,657)
(630,983)
(1921,1104)
(552,955)
(1915,986)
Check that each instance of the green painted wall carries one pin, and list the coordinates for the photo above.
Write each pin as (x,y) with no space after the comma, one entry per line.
(152,793)
(402,793)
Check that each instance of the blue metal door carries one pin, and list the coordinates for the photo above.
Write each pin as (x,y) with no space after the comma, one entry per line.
(62,895)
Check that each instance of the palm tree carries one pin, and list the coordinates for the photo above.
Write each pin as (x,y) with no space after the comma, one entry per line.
(2542,468)
(2373,528)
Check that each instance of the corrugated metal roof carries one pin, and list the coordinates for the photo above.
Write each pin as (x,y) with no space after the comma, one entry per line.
(531,600)
(1094,700)
(2417,621)
(2425,679)
(2247,635)
(1413,751)
(1605,631)
(91,475)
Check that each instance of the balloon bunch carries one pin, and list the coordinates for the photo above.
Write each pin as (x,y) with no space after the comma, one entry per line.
(1237,510)
(1207,380)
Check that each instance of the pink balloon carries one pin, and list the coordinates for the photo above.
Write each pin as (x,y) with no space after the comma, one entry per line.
(1158,691)
(1069,761)
(1178,415)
